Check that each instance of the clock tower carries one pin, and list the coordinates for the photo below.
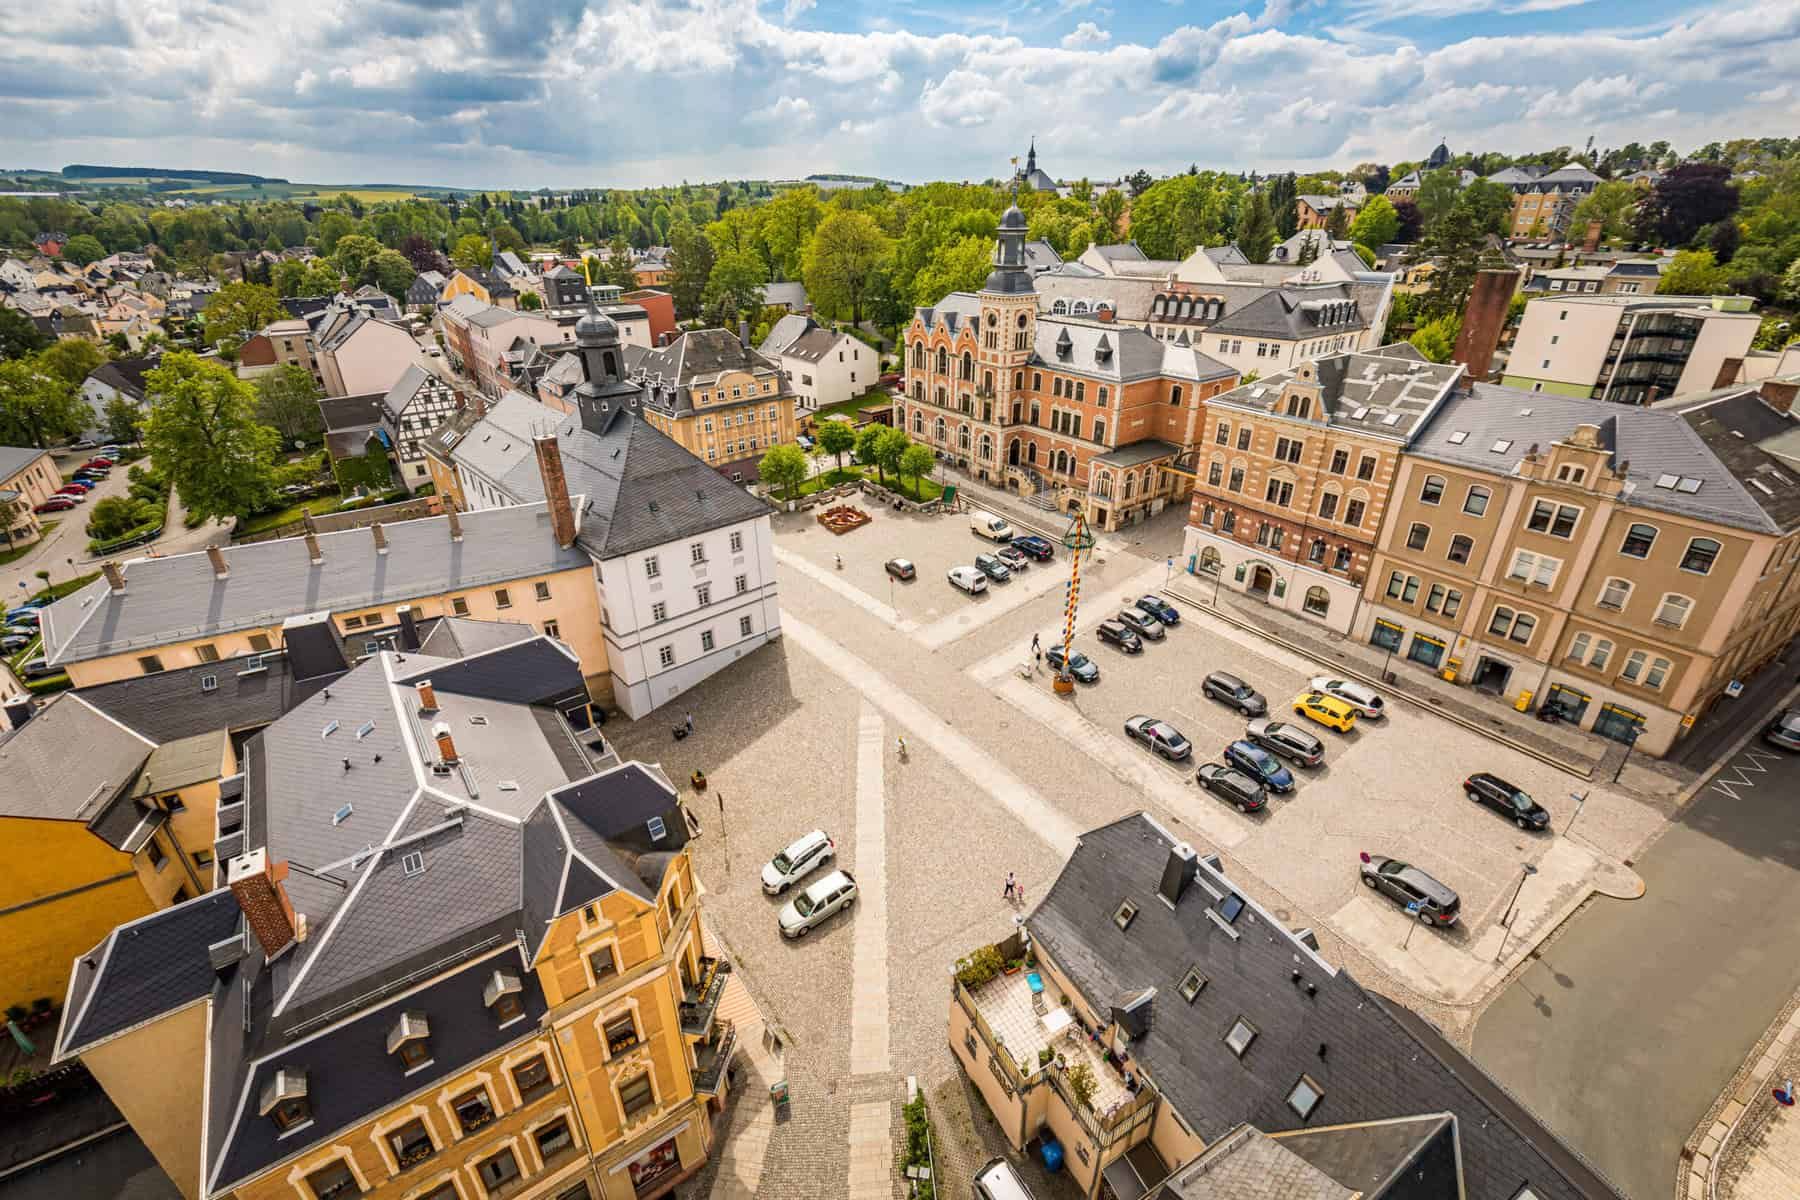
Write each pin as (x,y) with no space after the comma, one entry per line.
(1008,322)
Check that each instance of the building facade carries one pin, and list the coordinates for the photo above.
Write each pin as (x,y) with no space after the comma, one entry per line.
(28,477)
(716,397)
(1629,349)
(821,366)
(411,411)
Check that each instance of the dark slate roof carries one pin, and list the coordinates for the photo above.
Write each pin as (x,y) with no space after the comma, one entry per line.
(1378,1066)
(145,968)
(1363,389)
(172,704)
(1725,426)
(1247,1164)
(695,360)
(525,669)
(455,637)
(42,778)
(126,375)
(1137,453)
(358,413)
(1293,314)
(1410,1155)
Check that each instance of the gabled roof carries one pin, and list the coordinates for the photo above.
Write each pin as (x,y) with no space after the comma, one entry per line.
(125,375)
(791,294)
(352,412)
(1388,393)
(14,459)
(44,778)
(178,703)
(455,637)
(406,389)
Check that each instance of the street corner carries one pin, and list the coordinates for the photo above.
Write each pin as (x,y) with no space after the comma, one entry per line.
(1437,964)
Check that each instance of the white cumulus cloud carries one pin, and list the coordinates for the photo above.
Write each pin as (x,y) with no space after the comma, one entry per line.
(1085,34)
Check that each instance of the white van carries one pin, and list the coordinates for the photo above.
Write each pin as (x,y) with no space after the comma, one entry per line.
(998,1181)
(987,525)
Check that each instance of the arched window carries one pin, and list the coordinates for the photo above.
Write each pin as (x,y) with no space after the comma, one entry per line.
(1022,320)
(1318,601)
(987,381)
(1019,380)
(938,429)
(943,361)
(1460,549)
(1034,413)
(940,397)
(1602,651)
(918,422)
(968,365)
(1523,627)
(918,356)
(1476,502)
(1210,561)
(1103,307)
(1130,486)
(962,438)
(1433,490)
(1103,487)
(1659,671)
(1700,556)
(1502,621)
(1018,410)
(1081,306)
(1638,541)
(1579,647)
(1674,610)
(985,447)
(1634,666)
(1175,396)
(1156,306)
(1215,474)
(1060,307)
(1031,453)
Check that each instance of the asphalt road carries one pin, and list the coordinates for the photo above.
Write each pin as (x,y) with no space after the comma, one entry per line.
(118,1166)
(1632,1022)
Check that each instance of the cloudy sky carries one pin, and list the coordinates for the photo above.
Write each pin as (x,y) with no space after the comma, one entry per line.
(529,93)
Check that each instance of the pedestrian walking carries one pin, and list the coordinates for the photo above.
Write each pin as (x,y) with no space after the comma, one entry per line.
(689,722)
(1011,890)
(1034,645)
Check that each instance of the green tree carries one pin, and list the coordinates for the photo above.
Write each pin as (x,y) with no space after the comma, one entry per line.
(473,252)
(237,310)
(392,272)
(915,463)
(690,265)
(353,255)
(1694,273)
(116,516)
(203,433)
(19,336)
(1110,208)
(123,421)
(868,446)
(1437,339)
(783,467)
(1177,215)
(1377,224)
(1790,283)
(837,438)
(529,302)
(1613,204)
(332,226)
(843,262)
(1337,223)
(505,237)
(1437,194)
(1255,227)
(889,448)
(1454,247)
(83,249)
(788,222)
(958,266)
(734,287)
(37,406)
(287,400)
(71,360)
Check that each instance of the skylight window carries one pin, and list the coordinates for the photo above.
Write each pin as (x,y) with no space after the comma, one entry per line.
(365,729)
(1191,983)
(1123,914)
(1360,413)
(412,863)
(1501,447)
(1391,419)
(478,720)
(1667,481)
(330,728)
(1459,437)
(1688,485)
(1241,1034)
(1230,905)
(658,831)
(342,814)
(508,785)
(1305,1096)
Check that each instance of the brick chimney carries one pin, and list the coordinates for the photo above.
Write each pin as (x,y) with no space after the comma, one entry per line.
(115,577)
(220,570)
(556,488)
(454,517)
(381,546)
(1729,369)
(446,745)
(1483,320)
(261,893)
(1591,242)
(427,696)
(1778,394)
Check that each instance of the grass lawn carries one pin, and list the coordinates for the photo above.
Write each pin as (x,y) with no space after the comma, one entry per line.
(275,518)
(57,591)
(829,479)
(920,490)
(847,409)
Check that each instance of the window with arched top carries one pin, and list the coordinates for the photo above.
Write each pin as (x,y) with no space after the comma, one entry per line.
(1023,319)
(918,356)
(968,365)
(938,429)
(918,391)
(987,381)
(919,423)
(1210,561)
(962,438)
(1432,492)
(1318,600)
(943,361)
(1700,555)
(1059,307)
(1019,380)
(1103,487)
(1673,611)
(1081,306)
(1156,306)
(985,447)
(1659,671)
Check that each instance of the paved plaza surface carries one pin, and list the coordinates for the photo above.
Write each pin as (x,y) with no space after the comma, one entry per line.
(1001,775)
(1629,1024)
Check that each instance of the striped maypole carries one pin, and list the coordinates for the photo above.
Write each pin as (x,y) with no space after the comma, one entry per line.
(1076,539)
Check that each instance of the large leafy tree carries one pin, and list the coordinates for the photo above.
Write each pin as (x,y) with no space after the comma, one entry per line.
(915,463)
(1612,203)
(83,249)
(472,252)
(1179,214)
(1453,245)
(690,264)
(1437,194)
(837,438)
(391,272)
(1694,273)
(37,406)
(353,255)
(958,266)
(845,260)
(123,420)
(287,400)
(71,360)
(1110,209)
(203,433)
(783,467)
(1255,226)
(788,223)
(1377,224)
(734,287)
(237,310)
(19,336)
(1692,195)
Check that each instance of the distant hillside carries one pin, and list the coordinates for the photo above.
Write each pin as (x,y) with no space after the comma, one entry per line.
(90,171)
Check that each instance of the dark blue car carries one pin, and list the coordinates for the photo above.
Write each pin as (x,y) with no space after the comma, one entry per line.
(1037,547)
(1159,608)
(1259,764)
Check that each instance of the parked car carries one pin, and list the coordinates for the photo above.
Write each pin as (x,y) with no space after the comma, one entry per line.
(805,912)
(20,629)
(1406,886)
(37,668)
(101,460)
(75,487)
(1118,635)
(56,504)
(1229,689)
(1326,710)
(1232,786)
(1159,735)
(968,579)
(1290,741)
(1784,730)
(1037,547)
(1259,764)
(1159,608)
(797,861)
(1501,796)
(1349,691)
(998,1181)
(992,567)
(27,616)
(987,525)
(1142,624)
(13,642)
(900,568)
(1080,665)
(1015,560)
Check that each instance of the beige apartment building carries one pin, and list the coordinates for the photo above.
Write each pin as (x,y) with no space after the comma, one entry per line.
(1623,564)
(1629,349)
(716,397)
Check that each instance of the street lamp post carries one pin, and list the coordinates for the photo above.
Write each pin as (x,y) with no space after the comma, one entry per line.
(1580,798)
(1506,921)
(1630,741)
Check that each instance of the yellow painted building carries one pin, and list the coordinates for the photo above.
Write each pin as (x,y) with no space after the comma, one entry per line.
(717,397)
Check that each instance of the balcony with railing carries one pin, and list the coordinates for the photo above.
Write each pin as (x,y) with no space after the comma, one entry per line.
(700,1000)
(711,1060)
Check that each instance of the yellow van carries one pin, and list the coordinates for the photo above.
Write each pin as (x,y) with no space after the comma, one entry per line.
(1326,710)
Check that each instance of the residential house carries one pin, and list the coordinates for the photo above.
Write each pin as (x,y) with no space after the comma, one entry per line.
(280,343)
(50,245)
(1295,472)
(650,269)
(716,397)
(1168,1016)
(1623,564)
(659,307)
(564,287)
(1629,349)
(1545,207)
(116,379)
(28,477)
(423,292)
(487,286)
(1314,212)
(789,297)
(1089,415)
(480,336)
(358,353)
(353,426)
(682,557)
(411,411)
(459,953)
(822,366)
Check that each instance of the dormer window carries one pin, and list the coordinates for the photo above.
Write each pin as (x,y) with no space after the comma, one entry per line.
(504,997)
(410,1040)
(284,1100)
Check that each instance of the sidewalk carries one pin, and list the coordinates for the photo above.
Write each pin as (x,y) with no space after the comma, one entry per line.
(1749,1147)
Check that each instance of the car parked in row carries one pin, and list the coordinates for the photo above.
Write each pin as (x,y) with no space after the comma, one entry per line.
(1159,608)
(807,911)
(12,643)
(56,504)
(992,567)
(1142,623)
(1260,765)
(1432,902)
(1232,786)
(1229,690)
(1483,787)
(1350,692)
(1118,635)
(100,460)
(1080,665)
(1159,735)
(37,668)
(797,861)
(1328,711)
(1290,741)
(1784,730)
(968,579)
(1035,547)
(1015,560)
(900,568)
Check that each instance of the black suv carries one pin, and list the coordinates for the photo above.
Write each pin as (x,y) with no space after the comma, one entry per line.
(1411,888)
(1037,547)
(1229,689)
(1118,635)
(1503,797)
(1145,625)
(1290,741)
(1232,786)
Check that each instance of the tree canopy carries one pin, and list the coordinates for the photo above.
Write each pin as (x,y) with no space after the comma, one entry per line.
(203,433)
